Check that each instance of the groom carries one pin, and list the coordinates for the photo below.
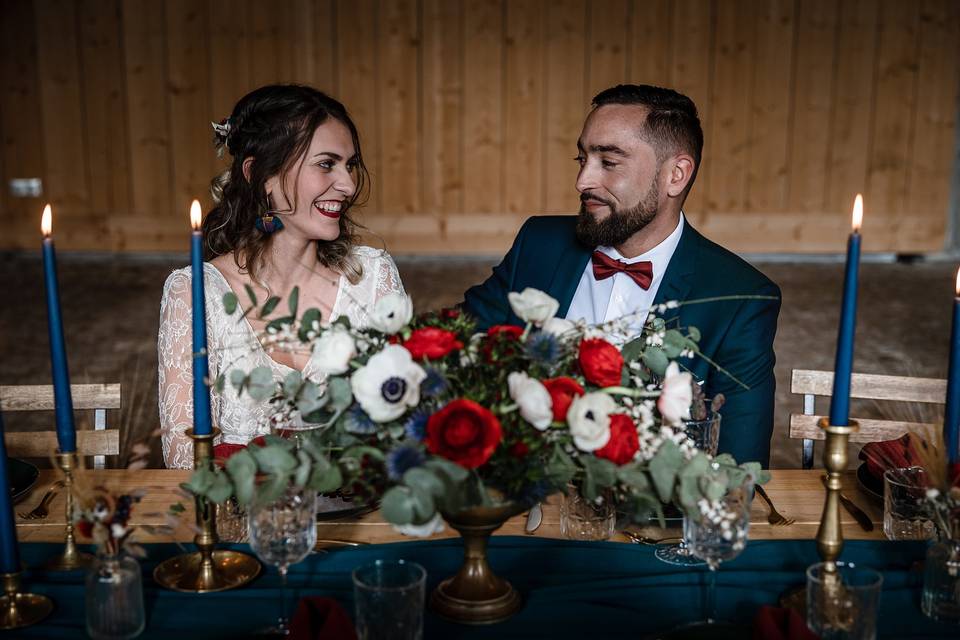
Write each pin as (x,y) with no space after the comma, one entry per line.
(631,247)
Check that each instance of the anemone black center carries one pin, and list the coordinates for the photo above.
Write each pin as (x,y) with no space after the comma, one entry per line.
(393,389)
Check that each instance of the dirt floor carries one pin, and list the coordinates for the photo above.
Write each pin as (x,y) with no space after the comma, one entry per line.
(111,304)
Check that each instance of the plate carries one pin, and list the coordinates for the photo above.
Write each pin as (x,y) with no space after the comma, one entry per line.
(871,486)
(330,508)
(22,476)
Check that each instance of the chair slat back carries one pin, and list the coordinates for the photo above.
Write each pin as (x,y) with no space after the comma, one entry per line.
(40,444)
(811,384)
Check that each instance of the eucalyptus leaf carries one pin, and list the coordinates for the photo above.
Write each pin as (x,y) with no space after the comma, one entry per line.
(424,505)
(261,385)
(230,302)
(673,343)
(294,300)
(424,480)
(656,360)
(693,333)
(633,349)
(339,393)
(242,468)
(306,323)
(634,475)
(325,477)
(302,473)
(560,467)
(237,379)
(343,321)
(221,489)
(604,472)
(271,490)
(397,505)
(274,459)
(277,324)
(664,467)
(292,384)
(251,294)
(220,383)
(269,306)
(200,481)
(452,470)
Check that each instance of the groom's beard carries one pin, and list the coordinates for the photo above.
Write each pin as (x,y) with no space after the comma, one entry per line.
(618,226)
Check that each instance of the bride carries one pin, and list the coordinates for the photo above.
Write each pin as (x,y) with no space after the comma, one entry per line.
(282,219)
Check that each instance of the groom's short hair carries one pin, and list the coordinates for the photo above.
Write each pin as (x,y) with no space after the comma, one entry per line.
(672,124)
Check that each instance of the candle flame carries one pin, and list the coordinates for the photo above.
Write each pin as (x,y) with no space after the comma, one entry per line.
(857,213)
(958,283)
(195,215)
(46,221)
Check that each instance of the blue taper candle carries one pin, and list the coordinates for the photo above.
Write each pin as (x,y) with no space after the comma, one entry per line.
(951,416)
(201,367)
(843,365)
(63,402)
(9,554)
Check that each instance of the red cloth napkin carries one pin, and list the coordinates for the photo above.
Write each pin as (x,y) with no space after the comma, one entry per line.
(891,454)
(777,623)
(321,618)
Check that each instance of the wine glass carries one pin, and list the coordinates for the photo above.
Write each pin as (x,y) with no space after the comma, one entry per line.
(703,435)
(720,534)
(283,533)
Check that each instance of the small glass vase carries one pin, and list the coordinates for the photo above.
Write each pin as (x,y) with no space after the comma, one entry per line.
(941,581)
(114,597)
(582,519)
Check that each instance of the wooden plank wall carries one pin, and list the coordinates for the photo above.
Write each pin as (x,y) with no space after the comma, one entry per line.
(469,110)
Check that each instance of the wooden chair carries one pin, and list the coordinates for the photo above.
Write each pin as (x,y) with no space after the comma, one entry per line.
(98,443)
(811,384)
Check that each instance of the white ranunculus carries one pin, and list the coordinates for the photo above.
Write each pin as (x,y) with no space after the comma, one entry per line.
(676,395)
(388,384)
(333,351)
(532,397)
(533,305)
(558,327)
(425,530)
(392,313)
(589,420)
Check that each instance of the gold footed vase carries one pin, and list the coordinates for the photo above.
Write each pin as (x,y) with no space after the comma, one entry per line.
(476,595)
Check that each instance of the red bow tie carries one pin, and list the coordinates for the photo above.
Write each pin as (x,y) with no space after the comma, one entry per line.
(604,266)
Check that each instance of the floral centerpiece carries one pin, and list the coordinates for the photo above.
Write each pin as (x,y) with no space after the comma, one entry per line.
(430,416)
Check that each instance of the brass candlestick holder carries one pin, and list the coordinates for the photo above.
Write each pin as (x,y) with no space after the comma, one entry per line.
(208,569)
(70,559)
(18,609)
(830,533)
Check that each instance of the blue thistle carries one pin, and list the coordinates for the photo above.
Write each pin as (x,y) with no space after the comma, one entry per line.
(402,459)
(543,347)
(434,384)
(357,421)
(416,425)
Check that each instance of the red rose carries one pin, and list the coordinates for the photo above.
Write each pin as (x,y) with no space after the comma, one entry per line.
(463,432)
(624,442)
(601,362)
(431,343)
(500,334)
(562,392)
(85,528)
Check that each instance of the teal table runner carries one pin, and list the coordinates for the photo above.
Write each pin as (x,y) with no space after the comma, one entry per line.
(570,589)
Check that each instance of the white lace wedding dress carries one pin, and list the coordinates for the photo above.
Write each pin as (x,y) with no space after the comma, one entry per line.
(231,344)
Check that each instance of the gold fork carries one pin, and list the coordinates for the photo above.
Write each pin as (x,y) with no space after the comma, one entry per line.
(40,511)
(775,518)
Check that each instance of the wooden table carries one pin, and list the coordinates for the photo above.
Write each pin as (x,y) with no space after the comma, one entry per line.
(796,493)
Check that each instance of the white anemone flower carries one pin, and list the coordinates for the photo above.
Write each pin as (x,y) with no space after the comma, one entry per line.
(558,327)
(589,420)
(333,351)
(392,313)
(532,397)
(676,396)
(533,306)
(388,384)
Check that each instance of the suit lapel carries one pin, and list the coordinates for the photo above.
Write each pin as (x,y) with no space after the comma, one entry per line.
(567,275)
(678,279)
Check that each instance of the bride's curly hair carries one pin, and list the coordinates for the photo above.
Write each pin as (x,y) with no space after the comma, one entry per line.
(274,125)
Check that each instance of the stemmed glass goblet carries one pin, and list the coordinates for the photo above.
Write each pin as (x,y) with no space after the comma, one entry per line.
(720,535)
(283,533)
(704,435)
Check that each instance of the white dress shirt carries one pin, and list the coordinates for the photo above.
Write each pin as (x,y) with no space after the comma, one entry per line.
(599,301)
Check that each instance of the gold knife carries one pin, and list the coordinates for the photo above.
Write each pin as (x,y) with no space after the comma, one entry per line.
(862,519)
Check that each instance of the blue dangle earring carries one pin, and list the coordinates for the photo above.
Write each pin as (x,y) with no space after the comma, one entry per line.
(268,223)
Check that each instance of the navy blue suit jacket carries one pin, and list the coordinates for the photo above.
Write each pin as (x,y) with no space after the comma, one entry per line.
(737,335)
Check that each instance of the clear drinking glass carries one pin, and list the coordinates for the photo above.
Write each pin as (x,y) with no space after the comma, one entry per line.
(843,605)
(388,598)
(283,533)
(581,519)
(719,536)
(704,435)
(906,513)
(114,598)
(941,581)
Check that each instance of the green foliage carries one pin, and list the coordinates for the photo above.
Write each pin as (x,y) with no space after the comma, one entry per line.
(230,302)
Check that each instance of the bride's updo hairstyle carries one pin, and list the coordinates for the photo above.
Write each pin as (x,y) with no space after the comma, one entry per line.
(274,125)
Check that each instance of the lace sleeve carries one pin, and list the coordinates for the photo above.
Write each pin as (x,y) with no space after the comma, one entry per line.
(387,277)
(175,373)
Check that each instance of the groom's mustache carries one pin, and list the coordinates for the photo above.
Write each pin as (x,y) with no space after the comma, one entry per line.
(586,197)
